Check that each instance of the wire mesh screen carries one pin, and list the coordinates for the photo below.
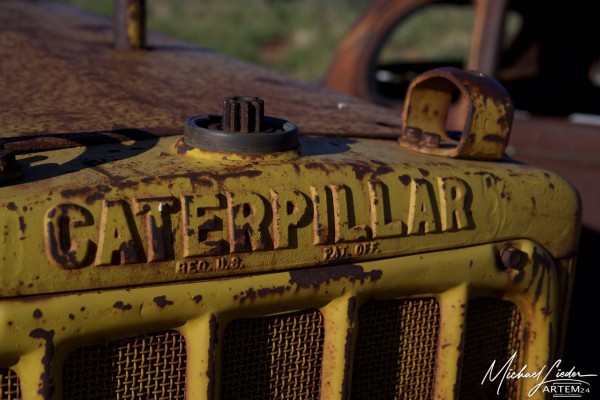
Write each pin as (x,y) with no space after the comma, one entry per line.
(143,367)
(9,385)
(493,332)
(274,357)
(395,349)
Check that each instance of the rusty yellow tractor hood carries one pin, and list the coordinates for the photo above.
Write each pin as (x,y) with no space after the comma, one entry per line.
(112,196)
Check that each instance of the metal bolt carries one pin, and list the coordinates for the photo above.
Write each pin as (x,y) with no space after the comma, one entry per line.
(243,114)
(512,257)
(430,139)
(412,134)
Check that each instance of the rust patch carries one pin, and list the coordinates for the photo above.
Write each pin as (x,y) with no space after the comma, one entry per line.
(182,147)
(217,176)
(297,169)
(206,182)
(494,138)
(11,206)
(315,277)
(197,298)
(382,169)
(249,294)
(37,313)
(68,193)
(101,190)
(488,176)
(71,317)
(22,225)
(540,263)
(405,179)
(317,166)
(118,181)
(90,194)
(280,290)
(361,169)
(162,301)
(505,195)
(46,388)
(546,310)
(122,306)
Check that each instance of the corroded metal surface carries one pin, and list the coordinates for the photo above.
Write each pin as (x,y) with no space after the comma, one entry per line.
(75,82)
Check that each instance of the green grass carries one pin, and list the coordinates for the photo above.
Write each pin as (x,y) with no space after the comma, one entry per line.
(293,36)
(298,37)
(438,32)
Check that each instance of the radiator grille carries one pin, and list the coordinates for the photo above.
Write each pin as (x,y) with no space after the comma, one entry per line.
(9,385)
(275,357)
(395,349)
(492,333)
(147,366)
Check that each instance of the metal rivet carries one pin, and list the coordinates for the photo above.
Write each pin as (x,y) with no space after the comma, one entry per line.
(513,258)
(412,134)
(430,139)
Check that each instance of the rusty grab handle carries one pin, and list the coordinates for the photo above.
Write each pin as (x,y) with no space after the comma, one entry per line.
(487,121)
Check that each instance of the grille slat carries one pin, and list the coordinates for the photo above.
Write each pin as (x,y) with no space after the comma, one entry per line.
(493,332)
(395,349)
(147,366)
(10,388)
(274,357)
